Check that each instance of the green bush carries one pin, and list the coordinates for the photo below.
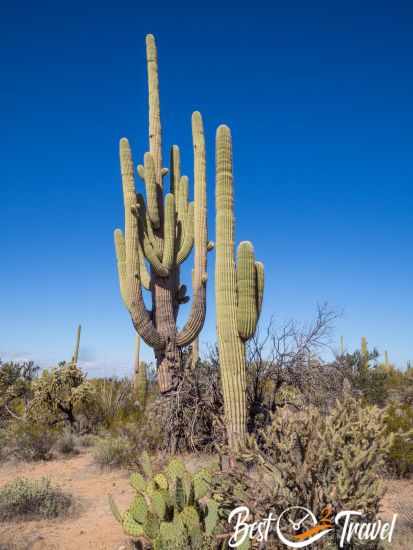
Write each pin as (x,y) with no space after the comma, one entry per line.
(15,388)
(32,499)
(399,421)
(67,443)
(29,441)
(113,452)
(86,440)
(112,405)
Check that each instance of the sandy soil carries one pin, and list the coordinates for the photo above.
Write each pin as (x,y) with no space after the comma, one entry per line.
(92,526)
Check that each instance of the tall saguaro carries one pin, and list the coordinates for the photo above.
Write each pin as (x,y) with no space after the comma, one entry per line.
(160,231)
(239,291)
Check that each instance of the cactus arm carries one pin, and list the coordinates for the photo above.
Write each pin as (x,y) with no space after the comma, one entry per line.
(175,171)
(155,130)
(200,208)
(169,232)
(121,263)
(156,242)
(152,258)
(143,323)
(131,232)
(182,199)
(148,248)
(259,266)
(247,314)
(182,211)
(143,272)
(136,359)
(151,191)
(188,240)
(198,309)
(196,318)
(135,304)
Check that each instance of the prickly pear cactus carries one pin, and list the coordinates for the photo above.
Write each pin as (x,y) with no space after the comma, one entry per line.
(171,509)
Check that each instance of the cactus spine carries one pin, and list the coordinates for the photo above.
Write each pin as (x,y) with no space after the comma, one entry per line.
(239,291)
(160,233)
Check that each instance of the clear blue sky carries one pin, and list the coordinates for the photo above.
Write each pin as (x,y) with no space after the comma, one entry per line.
(320,103)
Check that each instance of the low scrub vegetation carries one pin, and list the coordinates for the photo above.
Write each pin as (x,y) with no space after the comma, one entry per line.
(113,452)
(319,433)
(30,441)
(32,499)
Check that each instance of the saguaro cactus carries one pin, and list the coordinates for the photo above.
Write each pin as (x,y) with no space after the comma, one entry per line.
(195,353)
(239,291)
(140,378)
(160,232)
(75,356)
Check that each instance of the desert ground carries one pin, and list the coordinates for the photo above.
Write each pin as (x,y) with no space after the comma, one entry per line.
(90,524)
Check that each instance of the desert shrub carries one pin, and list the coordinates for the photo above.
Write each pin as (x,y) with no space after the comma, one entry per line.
(113,452)
(399,422)
(67,443)
(86,440)
(15,388)
(59,394)
(31,499)
(191,418)
(29,441)
(113,403)
(3,443)
(145,434)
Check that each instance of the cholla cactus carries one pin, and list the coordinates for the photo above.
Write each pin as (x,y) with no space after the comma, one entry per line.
(333,460)
(167,511)
(58,394)
(160,232)
(239,291)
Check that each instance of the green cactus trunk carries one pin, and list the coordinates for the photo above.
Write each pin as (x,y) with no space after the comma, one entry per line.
(140,378)
(194,353)
(159,235)
(239,291)
(75,356)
